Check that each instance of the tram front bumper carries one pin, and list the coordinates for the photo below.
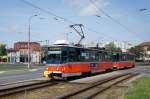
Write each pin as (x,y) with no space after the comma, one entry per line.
(47,73)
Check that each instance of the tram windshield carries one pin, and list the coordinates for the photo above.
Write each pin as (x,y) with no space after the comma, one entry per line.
(54,55)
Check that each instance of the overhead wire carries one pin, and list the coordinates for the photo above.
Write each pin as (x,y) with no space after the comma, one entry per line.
(46,11)
(57,16)
(110,17)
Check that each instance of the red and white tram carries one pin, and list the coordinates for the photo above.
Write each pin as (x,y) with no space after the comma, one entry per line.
(123,60)
(67,61)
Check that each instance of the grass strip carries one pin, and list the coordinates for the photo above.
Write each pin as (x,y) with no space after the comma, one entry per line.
(140,89)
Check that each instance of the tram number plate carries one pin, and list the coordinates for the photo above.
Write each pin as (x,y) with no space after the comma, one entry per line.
(93,65)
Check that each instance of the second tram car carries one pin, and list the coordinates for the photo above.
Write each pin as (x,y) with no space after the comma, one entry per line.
(123,60)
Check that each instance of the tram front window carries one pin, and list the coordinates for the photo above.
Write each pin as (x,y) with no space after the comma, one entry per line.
(54,56)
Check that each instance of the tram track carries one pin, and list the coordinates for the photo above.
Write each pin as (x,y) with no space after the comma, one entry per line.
(96,88)
(87,91)
(24,86)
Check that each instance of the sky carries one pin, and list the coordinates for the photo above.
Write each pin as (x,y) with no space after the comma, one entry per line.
(125,20)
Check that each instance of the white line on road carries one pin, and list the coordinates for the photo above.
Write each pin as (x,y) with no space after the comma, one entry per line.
(2,72)
(33,69)
(22,81)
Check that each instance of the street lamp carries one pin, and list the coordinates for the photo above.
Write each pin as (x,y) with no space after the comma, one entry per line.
(29,60)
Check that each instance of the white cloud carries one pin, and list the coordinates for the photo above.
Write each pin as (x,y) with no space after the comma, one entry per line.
(76,3)
(86,8)
(91,9)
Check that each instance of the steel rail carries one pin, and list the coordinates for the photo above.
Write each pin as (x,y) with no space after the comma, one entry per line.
(25,87)
(73,93)
(102,89)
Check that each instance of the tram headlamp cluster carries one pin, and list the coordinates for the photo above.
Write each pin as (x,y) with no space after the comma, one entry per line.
(46,68)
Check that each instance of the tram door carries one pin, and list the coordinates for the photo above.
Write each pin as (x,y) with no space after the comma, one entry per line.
(94,61)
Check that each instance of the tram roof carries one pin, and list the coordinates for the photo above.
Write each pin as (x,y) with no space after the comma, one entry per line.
(80,47)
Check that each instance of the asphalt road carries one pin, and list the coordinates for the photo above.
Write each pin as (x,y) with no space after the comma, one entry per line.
(15,76)
(145,69)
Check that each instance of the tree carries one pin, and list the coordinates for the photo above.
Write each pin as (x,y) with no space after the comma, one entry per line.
(112,47)
(138,51)
(3,50)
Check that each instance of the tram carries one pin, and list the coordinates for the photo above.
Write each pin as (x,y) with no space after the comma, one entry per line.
(123,60)
(65,61)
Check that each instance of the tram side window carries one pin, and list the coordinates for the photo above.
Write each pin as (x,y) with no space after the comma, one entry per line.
(124,57)
(128,57)
(91,56)
(110,56)
(72,55)
(107,56)
(120,57)
(116,57)
(87,55)
(64,56)
(131,57)
(97,56)
(84,56)
(78,55)
(100,56)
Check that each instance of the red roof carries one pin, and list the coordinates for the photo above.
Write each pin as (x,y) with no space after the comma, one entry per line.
(24,45)
(145,44)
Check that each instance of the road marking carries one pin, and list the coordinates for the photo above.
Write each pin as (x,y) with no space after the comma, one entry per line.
(21,70)
(33,69)
(22,81)
(2,72)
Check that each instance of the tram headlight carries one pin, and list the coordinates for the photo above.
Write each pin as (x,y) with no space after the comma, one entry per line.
(46,68)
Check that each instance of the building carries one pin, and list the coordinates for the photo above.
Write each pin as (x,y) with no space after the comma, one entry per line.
(146,48)
(19,53)
(11,55)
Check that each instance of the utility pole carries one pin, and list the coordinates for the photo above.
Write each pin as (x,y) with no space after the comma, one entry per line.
(29,41)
